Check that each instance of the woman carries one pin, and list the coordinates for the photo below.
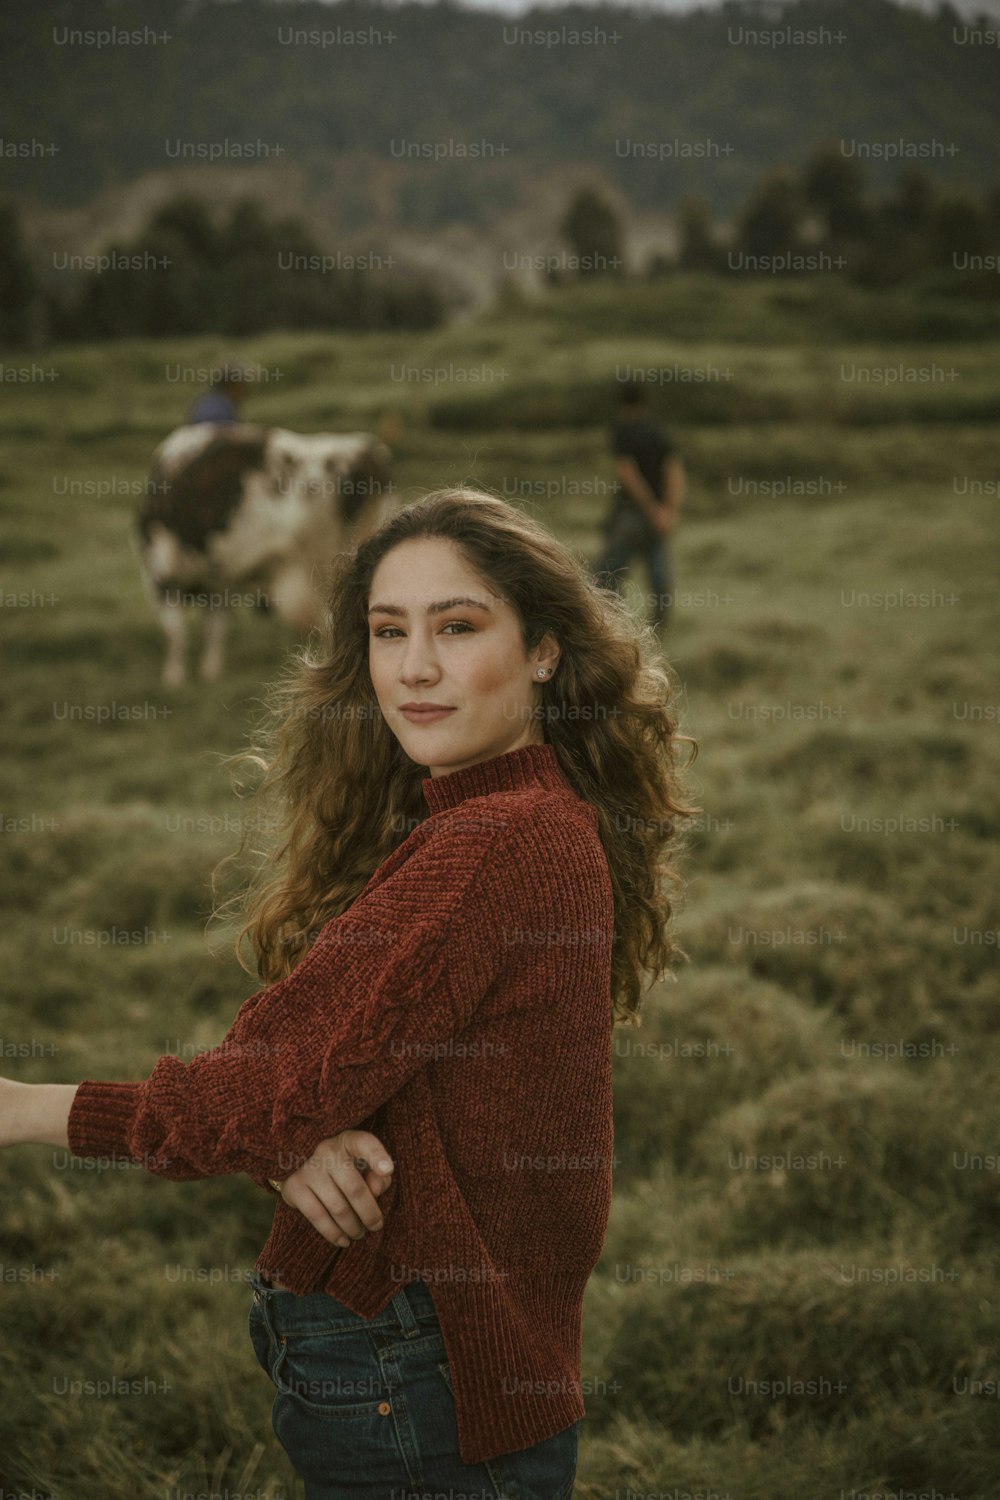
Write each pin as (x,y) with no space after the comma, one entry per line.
(469,887)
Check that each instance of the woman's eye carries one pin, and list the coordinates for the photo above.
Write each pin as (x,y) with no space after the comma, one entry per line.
(381,634)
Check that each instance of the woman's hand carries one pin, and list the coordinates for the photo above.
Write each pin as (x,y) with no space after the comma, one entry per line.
(330,1191)
(34,1113)
(664,519)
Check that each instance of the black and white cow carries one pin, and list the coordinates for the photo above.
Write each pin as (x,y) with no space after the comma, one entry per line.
(236,511)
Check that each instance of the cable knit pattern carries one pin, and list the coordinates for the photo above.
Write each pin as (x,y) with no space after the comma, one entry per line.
(461,1009)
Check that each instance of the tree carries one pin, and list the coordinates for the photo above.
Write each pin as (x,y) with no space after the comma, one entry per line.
(960,226)
(187,219)
(834,186)
(911,207)
(184,275)
(18,287)
(593,231)
(769,224)
(697,249)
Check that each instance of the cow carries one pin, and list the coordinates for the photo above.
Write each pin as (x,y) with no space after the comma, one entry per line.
(232,504)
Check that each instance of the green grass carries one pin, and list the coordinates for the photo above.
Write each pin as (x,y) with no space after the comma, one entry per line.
(838,1009)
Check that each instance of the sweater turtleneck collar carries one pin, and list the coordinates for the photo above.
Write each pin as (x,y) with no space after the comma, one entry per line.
(531,765)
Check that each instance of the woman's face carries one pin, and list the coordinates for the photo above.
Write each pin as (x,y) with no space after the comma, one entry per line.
(466,657)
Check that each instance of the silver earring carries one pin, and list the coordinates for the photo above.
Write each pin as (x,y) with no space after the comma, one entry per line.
(542,671)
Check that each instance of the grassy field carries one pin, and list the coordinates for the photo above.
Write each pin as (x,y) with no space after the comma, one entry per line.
(797,1298)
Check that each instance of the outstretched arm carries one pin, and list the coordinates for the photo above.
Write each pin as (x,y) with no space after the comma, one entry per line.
(319,1051)
(35,1113)
(329,1189)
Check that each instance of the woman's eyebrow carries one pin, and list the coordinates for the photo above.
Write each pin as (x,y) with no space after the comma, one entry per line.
(432,609)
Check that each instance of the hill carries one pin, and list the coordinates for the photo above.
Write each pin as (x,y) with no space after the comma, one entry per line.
(415,116)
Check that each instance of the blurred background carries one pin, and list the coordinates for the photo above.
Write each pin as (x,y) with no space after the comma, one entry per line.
(465,230)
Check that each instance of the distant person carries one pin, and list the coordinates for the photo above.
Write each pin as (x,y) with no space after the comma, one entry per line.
(642,522)
(221,403)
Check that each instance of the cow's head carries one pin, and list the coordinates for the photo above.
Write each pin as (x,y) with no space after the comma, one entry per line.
(311,468)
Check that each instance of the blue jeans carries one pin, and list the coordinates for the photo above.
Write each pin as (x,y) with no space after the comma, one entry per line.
(628,538)
(364,1407)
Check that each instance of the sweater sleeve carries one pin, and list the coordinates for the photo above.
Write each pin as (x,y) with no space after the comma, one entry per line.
(319,1051)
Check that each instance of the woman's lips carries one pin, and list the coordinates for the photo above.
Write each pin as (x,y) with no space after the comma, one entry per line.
(425,715)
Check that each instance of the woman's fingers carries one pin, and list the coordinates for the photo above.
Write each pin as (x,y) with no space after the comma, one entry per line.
(327,1192)
(367,1148)
(360,1197)
(343,1158)
(352,1148)
(331,1191)
(300,1197)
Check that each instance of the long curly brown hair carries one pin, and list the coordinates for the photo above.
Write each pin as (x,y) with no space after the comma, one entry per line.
(338,804)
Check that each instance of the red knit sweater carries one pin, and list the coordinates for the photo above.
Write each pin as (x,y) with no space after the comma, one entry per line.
(461,1009)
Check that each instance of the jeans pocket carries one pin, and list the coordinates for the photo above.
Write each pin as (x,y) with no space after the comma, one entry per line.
(332,1375)
(334,1413)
